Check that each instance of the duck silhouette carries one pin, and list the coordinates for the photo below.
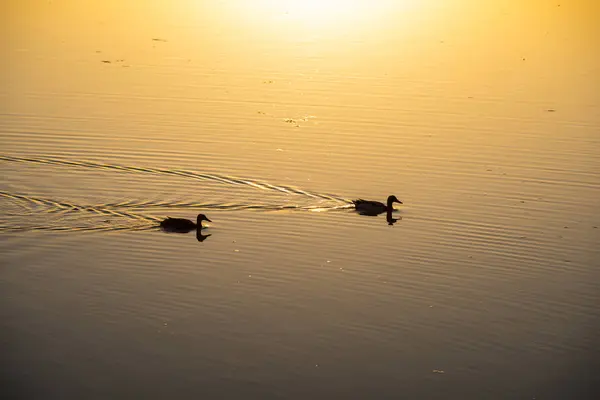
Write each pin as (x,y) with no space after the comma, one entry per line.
(369,207)
(182,225)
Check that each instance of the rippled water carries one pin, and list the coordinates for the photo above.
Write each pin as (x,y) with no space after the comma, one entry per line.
(482,118)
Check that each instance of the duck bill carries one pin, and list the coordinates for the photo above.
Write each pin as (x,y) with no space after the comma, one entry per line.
(398,201)
(208,220)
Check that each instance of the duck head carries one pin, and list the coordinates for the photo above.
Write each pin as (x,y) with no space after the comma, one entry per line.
(393,199)
(202,217)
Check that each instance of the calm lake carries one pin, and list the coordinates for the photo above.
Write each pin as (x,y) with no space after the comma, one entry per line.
(270,117)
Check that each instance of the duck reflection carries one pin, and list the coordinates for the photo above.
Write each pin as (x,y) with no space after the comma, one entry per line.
(201,237)
(390,220)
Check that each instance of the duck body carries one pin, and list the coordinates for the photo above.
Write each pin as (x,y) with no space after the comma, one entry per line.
(369,207)
(182,225)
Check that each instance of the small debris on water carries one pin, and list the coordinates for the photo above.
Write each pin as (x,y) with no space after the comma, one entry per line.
(438,371)
(297,121)
(551,110)
(115,61)
(159,40)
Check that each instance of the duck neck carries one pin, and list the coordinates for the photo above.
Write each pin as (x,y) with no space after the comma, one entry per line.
(390,205)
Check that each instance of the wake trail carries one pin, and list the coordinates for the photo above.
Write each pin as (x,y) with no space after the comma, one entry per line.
(223,179)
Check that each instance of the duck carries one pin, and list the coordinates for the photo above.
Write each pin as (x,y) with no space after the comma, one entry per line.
(182,225)
(369,207)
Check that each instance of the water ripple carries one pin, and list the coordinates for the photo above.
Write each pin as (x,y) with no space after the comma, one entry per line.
(131,210)
(224,179)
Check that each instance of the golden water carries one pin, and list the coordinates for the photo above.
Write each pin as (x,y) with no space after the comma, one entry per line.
(270,117)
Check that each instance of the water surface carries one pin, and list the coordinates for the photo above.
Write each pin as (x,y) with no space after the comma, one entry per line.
(482,118)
